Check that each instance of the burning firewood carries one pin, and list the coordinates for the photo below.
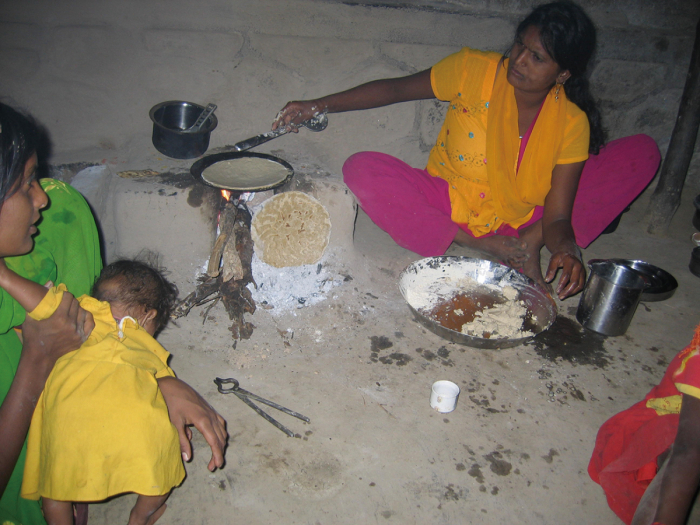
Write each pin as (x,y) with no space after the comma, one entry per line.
(213,268)
(231,263)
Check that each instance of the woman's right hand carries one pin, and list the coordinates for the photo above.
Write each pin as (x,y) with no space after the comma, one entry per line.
(573,272)
(296,112)
(46,341)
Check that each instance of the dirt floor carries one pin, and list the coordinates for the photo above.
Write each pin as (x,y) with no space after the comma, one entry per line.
(515,450)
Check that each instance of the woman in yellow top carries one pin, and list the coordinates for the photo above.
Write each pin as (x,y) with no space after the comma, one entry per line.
(503,175)
(101,426)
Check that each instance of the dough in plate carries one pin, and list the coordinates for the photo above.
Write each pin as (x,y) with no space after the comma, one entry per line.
(245,173)
(291,229)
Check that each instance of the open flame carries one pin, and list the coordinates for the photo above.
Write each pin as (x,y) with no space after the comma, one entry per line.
(226,194)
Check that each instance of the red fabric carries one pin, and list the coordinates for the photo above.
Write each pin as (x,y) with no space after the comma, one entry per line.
(624,459)
(688,374)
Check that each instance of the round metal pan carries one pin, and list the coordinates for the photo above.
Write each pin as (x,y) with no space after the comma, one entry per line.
(198,168)
(662,285)
(542,310)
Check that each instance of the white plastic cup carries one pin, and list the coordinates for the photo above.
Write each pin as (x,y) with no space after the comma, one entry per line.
(443,396)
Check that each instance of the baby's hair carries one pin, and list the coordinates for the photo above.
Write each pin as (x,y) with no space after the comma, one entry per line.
(135,283)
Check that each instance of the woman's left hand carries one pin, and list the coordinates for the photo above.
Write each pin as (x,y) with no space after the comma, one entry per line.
(186,407)
(573,273)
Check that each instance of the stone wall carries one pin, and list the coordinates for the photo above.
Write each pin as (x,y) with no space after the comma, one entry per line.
(91,70)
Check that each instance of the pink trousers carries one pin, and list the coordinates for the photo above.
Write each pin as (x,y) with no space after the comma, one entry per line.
(414,207)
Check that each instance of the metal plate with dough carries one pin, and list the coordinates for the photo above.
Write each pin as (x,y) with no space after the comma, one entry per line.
(291,229)
(446,276)
(242,171)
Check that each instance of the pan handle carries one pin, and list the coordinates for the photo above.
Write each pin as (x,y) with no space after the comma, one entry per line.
(257,140)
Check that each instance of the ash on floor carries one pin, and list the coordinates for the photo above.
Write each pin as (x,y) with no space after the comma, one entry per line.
(281,289)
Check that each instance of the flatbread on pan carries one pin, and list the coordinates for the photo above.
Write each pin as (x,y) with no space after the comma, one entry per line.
(245,173)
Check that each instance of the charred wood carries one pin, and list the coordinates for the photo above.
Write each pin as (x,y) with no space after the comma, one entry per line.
(229,272)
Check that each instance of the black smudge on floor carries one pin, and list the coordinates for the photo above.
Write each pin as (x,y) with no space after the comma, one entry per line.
(568,340)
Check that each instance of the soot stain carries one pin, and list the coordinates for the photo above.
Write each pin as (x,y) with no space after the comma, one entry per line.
(397,357)
(379,343)
(499,466)
(550,456)
(475,472)
(440,357)
(568,340)
(427,354)
(577,394)
(444,354)
(483,402)
(451,494)
(195,197)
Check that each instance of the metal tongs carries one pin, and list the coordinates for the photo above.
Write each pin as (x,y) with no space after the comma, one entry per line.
(246,397)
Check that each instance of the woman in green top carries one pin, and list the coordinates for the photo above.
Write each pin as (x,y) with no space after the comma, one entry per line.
(47,233)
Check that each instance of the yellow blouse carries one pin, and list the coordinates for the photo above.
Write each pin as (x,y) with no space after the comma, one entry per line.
(101,426)
(486,188)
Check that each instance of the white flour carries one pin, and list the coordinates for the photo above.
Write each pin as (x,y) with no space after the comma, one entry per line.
(426,288)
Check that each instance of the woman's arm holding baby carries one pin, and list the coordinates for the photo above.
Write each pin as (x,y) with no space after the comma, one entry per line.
(43,343)
(27,293)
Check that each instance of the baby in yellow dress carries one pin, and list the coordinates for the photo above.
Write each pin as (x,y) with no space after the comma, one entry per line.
(101,426)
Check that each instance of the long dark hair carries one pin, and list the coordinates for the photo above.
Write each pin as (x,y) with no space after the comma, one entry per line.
(19,140)
(569,36)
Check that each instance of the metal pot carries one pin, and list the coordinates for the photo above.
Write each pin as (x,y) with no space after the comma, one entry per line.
(610,298)
(695,261)
(171,119)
